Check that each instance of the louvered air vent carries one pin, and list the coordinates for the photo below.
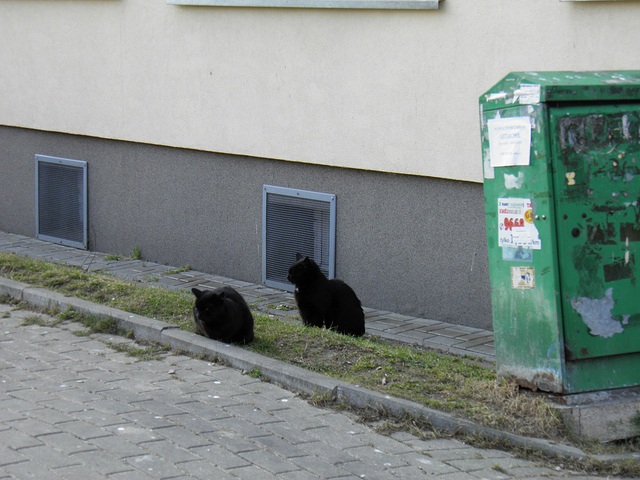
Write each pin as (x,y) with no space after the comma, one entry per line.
(61,201)
(296,221)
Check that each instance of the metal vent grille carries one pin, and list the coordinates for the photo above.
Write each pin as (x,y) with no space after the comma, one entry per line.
(61,201)
(296,221)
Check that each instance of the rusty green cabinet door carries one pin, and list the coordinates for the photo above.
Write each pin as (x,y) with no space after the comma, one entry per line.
(596,164)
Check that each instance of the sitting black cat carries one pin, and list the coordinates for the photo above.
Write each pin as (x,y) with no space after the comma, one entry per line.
(323,302)
(222,314)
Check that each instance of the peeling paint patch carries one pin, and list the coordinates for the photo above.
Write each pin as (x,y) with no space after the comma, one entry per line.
(495,96)
(511,181)
(596,314)
(571,178)
(528,93)
(625,127)
(488,169)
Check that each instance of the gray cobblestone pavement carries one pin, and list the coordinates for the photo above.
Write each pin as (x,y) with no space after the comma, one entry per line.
(72,407)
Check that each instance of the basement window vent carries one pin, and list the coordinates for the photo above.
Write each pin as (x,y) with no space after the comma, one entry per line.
(61,201)
(296,221)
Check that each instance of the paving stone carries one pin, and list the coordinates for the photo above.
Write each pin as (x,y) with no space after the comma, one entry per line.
(490,474)
(220,457)
(78,472)
(337,422)
(68,391)
(201,412)
(410,340)
(194,424)
(297,419)
(117,446)
(289,432)
(251,413)
(102,462)
(158,407)
(112,406)
(442,444)
(377,457)
(49,415)
(268,405)
(204,470)
(374,313)
(49,457)
(318,467)
(487,349)
(325,450)
(384,444)
(428,464)
(438,342)
(129,475)
(252,472)
(367,471)
(154,466)
(469,344)
(65,442)
(268,461)
(232,441)
(17,440)
(336,438)
(304,475)
(242,427)
(181,436)
(30,469)
(134,433)
(32,427)
(9,456)
(478,335)
(96,417)
(457,476)
(280,447)
(527,471)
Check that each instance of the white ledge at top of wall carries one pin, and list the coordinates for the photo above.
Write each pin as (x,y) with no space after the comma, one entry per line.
(363,4)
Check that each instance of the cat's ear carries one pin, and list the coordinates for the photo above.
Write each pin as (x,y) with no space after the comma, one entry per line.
(218,298)
(197,293)
(299,256)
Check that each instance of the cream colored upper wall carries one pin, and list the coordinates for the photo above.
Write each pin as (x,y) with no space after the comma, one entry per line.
(394,91)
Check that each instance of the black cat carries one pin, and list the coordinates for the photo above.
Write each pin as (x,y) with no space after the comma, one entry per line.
(325,303)
(222,314)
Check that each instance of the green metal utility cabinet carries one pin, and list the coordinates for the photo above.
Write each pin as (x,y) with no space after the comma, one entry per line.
(561,162)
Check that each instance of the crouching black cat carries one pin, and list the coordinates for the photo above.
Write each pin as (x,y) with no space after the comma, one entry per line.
(222,314)
(323,302)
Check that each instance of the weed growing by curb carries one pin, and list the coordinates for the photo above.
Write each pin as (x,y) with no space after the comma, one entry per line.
(140,351)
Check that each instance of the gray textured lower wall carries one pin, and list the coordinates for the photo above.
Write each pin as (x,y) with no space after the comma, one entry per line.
(407,244)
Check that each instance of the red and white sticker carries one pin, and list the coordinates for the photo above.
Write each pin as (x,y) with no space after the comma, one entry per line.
(515,224)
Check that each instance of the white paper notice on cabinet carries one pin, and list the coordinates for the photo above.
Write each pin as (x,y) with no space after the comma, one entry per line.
(509,141)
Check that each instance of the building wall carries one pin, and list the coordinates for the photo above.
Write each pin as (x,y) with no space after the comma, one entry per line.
(407,244)
(393,91)
(183,113)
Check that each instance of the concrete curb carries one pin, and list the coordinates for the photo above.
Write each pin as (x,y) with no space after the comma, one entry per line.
(361,397)
(290,376)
